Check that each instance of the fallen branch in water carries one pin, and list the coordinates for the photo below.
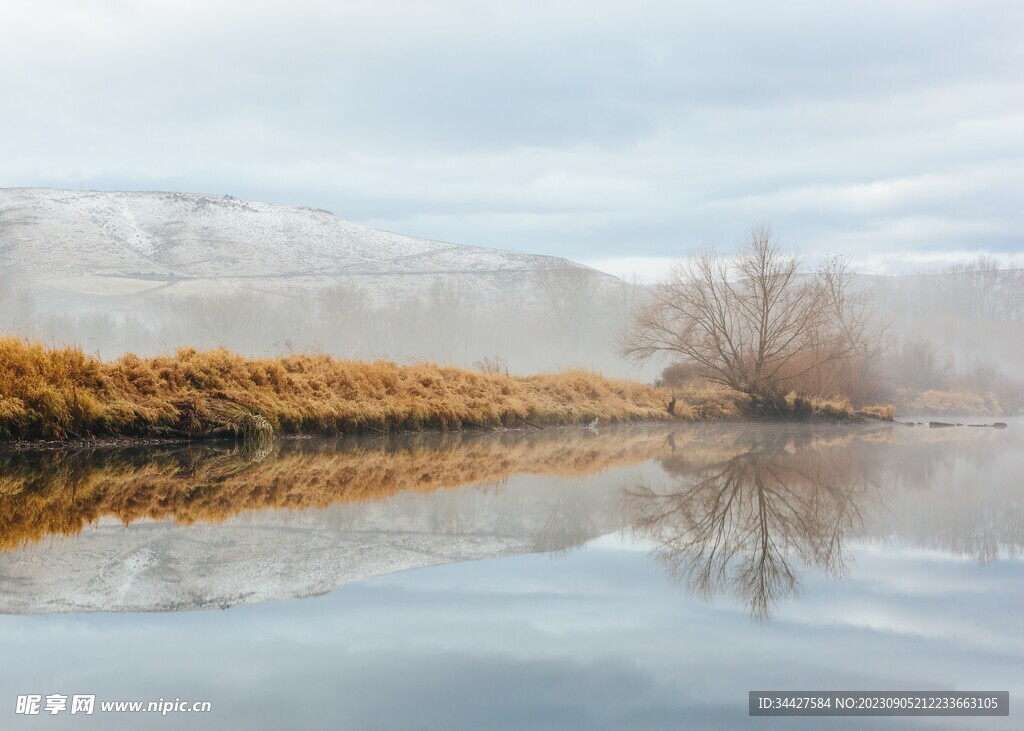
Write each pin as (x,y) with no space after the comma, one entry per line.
(529,423)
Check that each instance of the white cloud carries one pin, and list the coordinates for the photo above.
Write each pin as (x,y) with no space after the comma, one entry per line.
(608,131)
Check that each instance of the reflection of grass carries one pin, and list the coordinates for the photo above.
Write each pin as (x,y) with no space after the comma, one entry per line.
(53,492)
(59,392)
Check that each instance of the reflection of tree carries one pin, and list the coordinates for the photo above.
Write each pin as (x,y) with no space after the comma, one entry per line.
(742,521)
(568,524)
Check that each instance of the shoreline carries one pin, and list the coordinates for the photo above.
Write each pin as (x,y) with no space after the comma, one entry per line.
(76,444)
(134,442)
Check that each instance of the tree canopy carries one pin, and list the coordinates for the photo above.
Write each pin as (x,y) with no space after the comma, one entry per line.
(754,321)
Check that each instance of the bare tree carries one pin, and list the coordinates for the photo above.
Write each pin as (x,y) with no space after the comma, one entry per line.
(753,321)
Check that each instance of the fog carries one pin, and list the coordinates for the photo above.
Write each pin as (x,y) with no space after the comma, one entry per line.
(566,318)
(959,329)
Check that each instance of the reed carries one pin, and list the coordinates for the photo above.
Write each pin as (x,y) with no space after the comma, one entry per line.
(61,393)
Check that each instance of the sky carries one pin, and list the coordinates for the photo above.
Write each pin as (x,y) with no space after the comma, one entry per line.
(623,135)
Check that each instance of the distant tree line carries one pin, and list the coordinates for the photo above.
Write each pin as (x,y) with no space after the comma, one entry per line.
(759,321)
(570,318)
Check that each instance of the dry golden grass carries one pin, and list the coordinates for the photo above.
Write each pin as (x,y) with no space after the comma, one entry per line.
(57,393)
(700,401)
(802,408)
(883,413)
(949,402)
(54,393)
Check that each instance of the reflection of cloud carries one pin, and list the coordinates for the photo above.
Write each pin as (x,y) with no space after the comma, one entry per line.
(903,591)
(610,640)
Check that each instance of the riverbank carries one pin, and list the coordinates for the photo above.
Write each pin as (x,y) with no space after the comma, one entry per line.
(945,402)
(62,393)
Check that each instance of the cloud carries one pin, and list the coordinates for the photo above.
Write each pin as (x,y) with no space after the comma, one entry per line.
(590,131)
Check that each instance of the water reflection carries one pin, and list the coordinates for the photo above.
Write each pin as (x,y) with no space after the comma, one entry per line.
(745,519)
(742,510)
(55,492)
(196,528)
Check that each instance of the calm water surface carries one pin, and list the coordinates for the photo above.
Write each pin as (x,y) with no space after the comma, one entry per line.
(627,578)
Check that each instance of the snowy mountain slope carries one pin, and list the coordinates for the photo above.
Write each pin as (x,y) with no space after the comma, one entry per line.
(128,245)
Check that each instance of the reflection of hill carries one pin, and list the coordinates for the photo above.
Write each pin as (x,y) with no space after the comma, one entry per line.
(45,493)
(739,509)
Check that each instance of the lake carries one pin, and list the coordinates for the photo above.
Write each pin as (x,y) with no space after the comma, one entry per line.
(630,577)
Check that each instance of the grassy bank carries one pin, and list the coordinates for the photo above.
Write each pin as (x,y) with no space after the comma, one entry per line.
(62,393)
(57,393)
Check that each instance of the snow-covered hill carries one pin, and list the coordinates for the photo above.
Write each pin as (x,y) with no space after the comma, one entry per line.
(117,247)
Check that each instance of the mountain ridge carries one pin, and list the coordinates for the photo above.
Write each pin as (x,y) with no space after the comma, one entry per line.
(140,243)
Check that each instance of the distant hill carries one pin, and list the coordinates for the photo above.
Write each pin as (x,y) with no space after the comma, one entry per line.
(109,249)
